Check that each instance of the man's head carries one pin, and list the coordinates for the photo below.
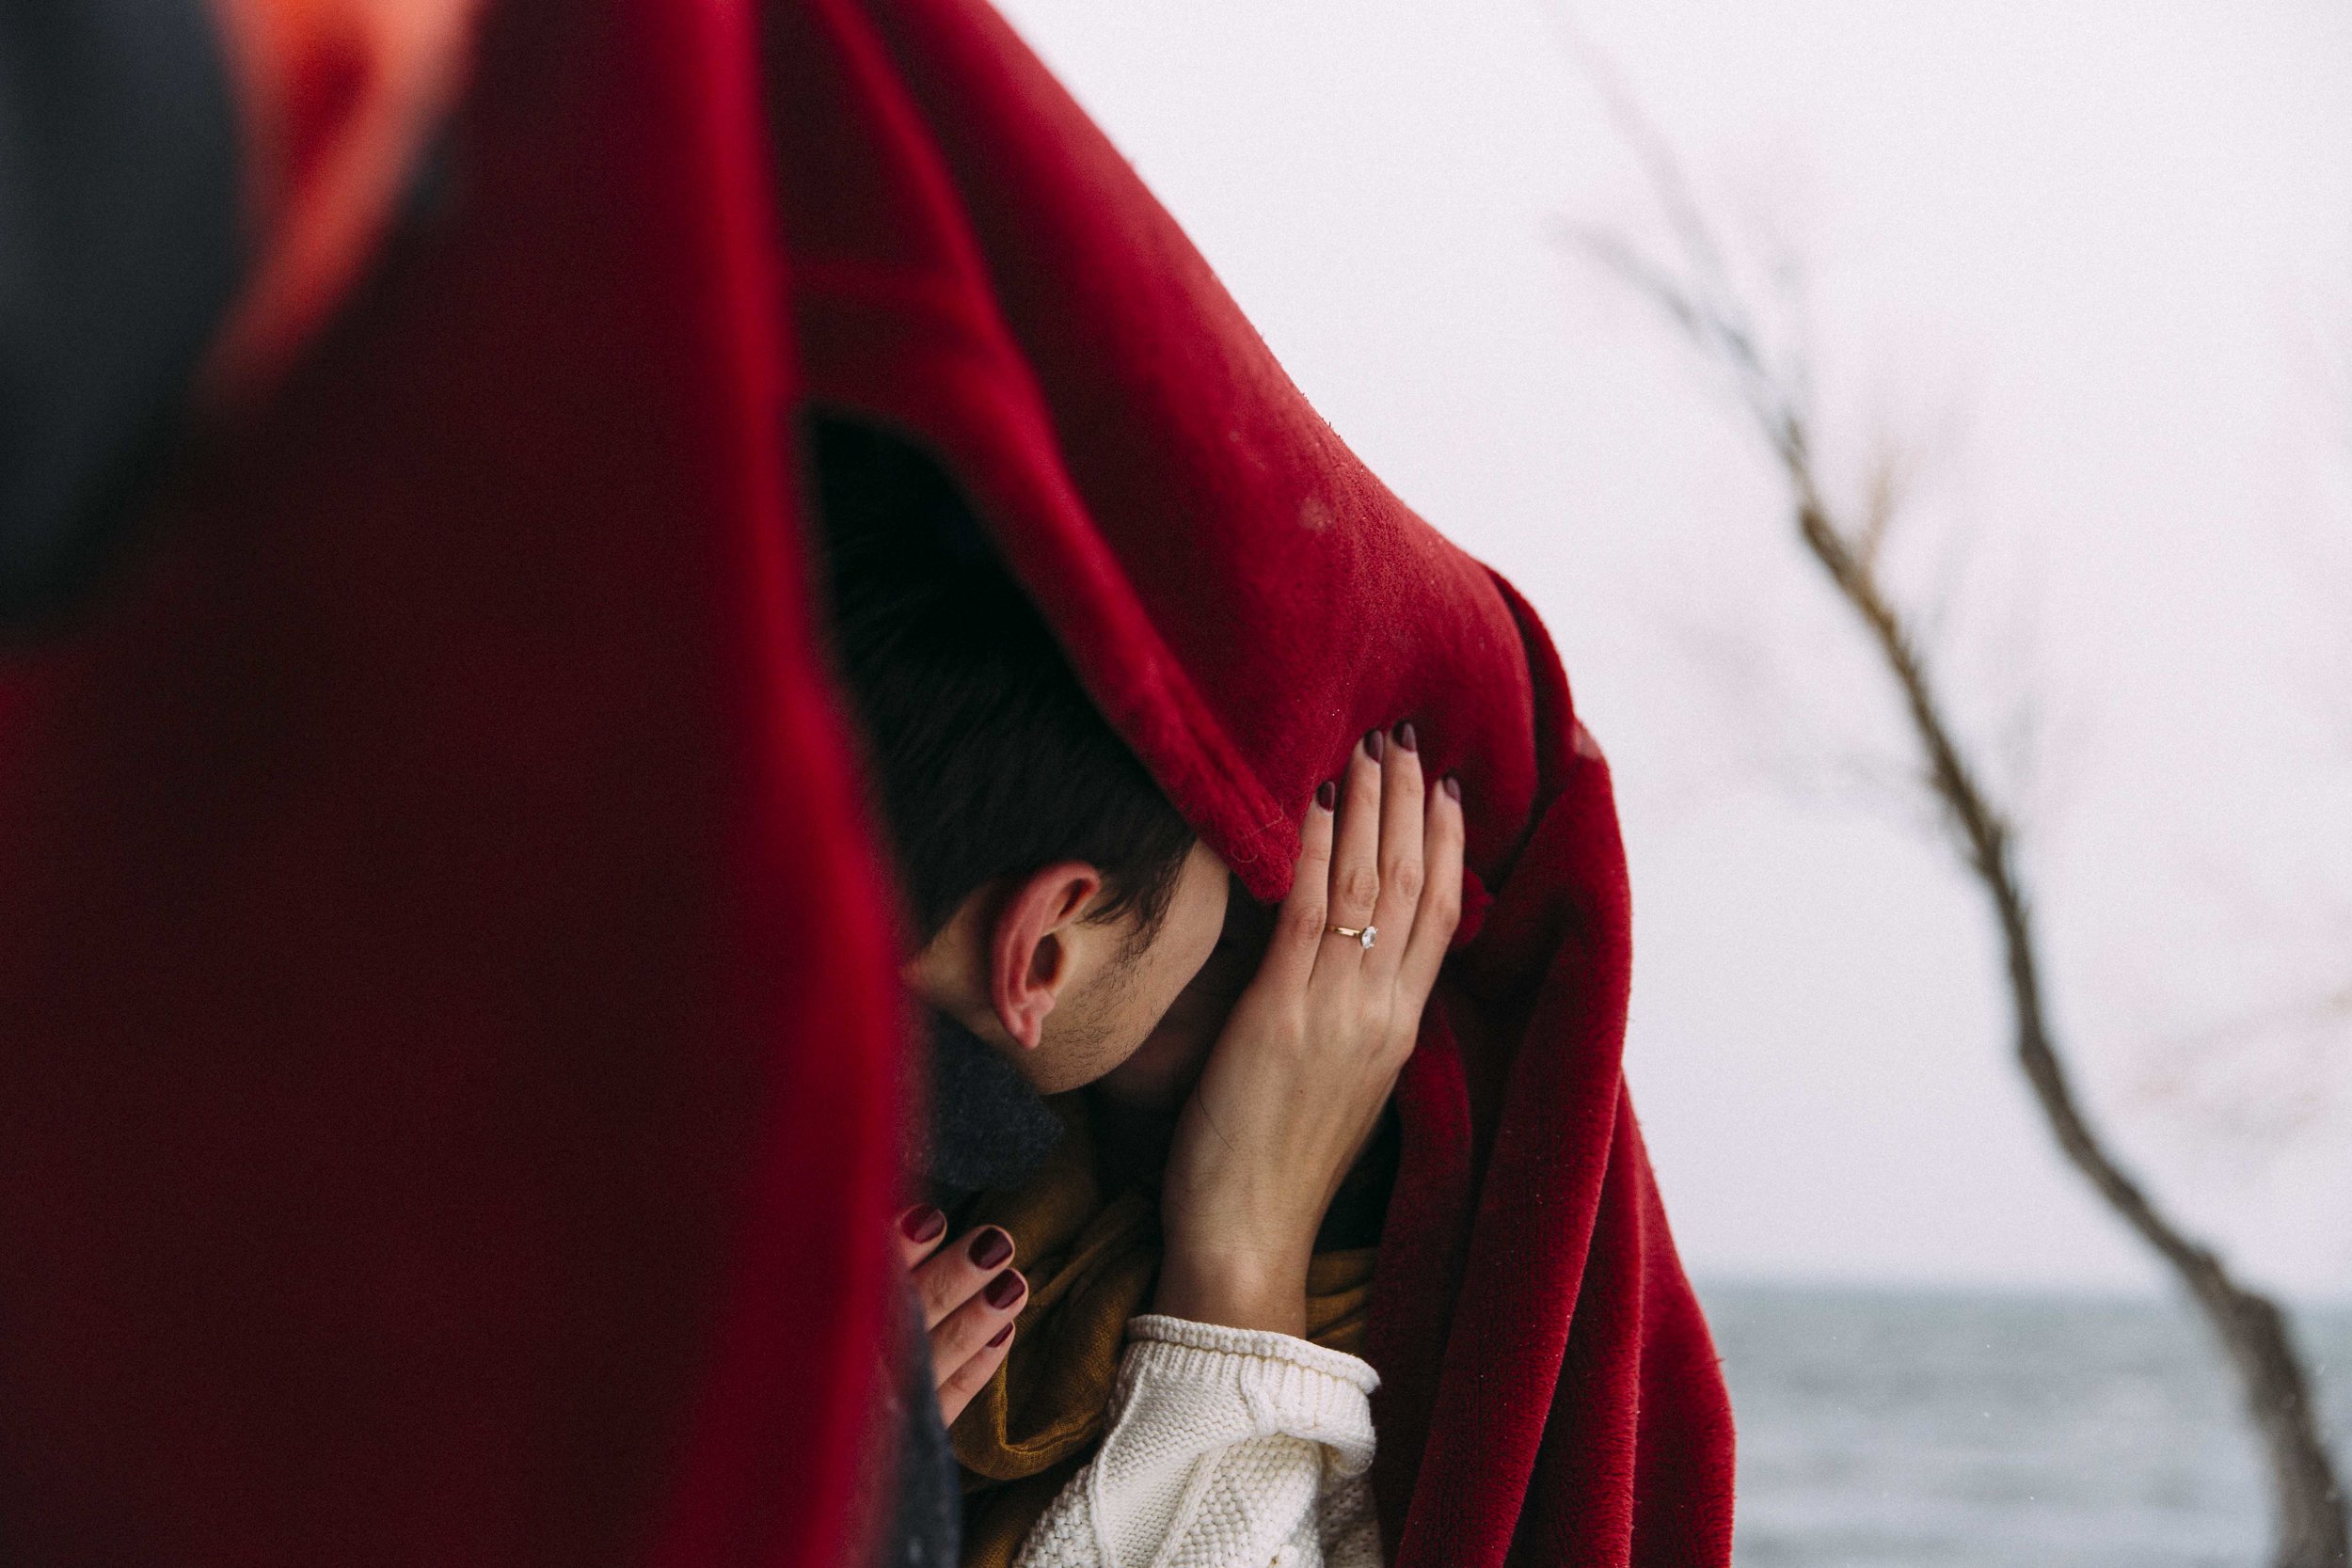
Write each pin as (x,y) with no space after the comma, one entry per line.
(1060,901)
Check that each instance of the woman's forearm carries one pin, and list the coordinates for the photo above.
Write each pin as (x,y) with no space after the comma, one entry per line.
(1226,1448)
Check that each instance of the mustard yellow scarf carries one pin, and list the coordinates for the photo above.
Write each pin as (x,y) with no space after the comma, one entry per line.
(1090,1257)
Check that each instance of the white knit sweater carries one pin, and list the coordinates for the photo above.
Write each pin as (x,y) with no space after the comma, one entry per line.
(1226,1448)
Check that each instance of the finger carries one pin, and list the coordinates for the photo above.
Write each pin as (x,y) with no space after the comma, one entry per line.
(1290,955)
(1356,845)
(965,1383)
(1402,805)
(1440,908)
(951,1277)
(919,1233)
(968,1330)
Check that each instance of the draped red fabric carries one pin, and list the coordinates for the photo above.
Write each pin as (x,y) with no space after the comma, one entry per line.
(448,1035)
(972,262)
(448,1046)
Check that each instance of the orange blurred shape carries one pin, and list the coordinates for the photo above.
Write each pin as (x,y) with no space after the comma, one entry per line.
(336,99)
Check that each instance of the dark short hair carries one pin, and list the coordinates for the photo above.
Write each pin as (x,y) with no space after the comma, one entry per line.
(992,761)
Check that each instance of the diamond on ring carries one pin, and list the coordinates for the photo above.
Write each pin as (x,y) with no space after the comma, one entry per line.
(1370,932)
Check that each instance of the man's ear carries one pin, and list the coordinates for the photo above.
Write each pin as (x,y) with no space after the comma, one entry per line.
(1029,953)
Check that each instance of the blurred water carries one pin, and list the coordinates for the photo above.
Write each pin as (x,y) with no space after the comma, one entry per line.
(1883,1430)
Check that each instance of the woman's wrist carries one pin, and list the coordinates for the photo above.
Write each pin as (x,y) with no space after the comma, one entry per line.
(1234,1290)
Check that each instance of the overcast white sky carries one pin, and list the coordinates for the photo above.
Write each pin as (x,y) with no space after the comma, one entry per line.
(2094,256)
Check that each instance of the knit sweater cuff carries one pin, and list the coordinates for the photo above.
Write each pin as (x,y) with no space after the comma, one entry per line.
(1289,1386)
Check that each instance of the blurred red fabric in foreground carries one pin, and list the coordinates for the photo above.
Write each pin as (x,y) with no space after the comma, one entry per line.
(447,1028)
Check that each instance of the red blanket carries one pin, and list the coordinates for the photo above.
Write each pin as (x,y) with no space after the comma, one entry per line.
(973,261)
(448,1051)
(447,1026)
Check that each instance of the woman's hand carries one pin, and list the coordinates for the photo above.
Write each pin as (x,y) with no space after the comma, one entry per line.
(1297,1080)
(968,1296)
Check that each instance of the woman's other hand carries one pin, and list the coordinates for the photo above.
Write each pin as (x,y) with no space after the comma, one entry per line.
(968,1293)
(1297,1078)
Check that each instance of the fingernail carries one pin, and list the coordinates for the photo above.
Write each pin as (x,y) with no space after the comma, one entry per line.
(1452,785)
(1375,742)
(1328,795)
(990,1249)
(1006,1289)
(921,1223)
(1002,1335)
(1405,738)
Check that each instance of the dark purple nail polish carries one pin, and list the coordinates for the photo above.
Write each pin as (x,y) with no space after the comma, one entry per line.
(1405,738)
(1002,1335)
(1006,1289)
(1375,742)
(1328,795)
(921,1223)
(1452,785)
(990,1249)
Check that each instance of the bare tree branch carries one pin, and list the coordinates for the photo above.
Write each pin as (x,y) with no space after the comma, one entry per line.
(1698,298)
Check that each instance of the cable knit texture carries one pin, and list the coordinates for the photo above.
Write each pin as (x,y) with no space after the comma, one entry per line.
(1227,1448)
